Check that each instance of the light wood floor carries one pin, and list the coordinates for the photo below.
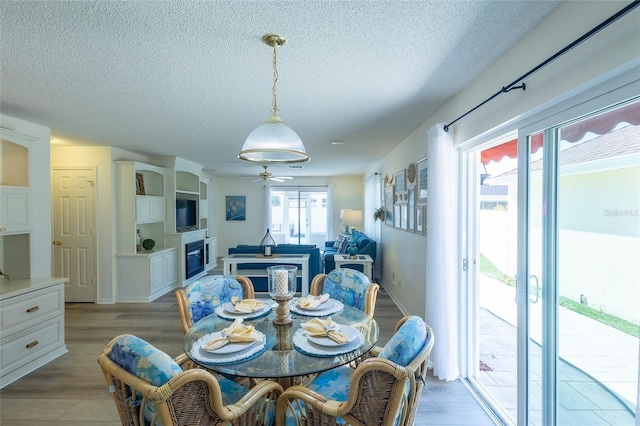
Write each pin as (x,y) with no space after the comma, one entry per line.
(71,390)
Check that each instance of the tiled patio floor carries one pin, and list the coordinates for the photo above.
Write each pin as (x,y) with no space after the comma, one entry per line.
(597,374)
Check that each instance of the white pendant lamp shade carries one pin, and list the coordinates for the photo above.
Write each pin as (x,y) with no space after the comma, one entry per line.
(273,142)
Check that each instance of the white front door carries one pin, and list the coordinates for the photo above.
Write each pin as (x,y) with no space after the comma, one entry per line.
(74,253)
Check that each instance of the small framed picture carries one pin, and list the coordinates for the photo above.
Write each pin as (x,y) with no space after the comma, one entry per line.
(388,205)
(396,216)
(140,184)
(420,211)
(401,181)
(411,207)
(422,182)
(236,207)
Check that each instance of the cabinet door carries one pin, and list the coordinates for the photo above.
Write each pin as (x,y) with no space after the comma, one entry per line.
(156,272)
(149,209)
(15,213)
(157,209)
(171,267)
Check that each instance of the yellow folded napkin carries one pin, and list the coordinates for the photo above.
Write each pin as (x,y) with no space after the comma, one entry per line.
(235,333)
(246,306)
(324,328)
(311,302)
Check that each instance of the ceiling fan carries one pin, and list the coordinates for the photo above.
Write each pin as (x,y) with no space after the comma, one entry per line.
(266,175)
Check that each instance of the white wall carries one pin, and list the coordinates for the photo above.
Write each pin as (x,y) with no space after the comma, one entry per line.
(597,59)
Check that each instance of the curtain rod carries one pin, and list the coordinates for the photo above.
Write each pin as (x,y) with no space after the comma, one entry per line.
(584,37)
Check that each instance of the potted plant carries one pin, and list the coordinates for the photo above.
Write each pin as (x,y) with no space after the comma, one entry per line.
(379,214)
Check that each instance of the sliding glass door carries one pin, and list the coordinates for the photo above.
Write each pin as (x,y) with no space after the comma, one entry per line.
(578,287)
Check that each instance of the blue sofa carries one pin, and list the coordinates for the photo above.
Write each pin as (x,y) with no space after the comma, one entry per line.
(365,246)
(260,282)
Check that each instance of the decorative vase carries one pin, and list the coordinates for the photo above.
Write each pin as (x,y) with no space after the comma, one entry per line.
(148,244)
(138,240)
(352,248)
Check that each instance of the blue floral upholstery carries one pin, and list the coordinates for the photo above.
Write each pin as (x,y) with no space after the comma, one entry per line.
(145,361)
(207,293)
(407,342)
(401,349)
(347,285)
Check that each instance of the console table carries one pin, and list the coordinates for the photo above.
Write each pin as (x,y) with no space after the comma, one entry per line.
(230,265)
(361,259)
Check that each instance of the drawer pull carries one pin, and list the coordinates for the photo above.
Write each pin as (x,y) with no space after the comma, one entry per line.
(32,344)
(35,308)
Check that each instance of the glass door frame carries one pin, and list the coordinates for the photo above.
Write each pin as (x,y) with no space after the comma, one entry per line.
(550,292)
(617,86)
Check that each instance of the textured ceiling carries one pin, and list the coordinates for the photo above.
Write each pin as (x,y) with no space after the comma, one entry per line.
(193,78)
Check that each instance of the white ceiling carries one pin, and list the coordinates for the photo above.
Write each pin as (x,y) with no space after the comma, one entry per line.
(193,78)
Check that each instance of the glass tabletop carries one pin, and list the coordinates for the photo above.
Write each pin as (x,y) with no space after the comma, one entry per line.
(281,359)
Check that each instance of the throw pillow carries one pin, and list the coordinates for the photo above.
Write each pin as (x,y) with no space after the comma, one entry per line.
(342,241)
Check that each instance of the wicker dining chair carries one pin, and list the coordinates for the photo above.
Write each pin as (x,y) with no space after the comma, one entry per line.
(349,286)
(382,390)
(151,388)
(201,297)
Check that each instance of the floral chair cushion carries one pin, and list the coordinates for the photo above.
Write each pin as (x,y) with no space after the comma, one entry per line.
(347,285)
(147,362)
(407,342)
(207,293)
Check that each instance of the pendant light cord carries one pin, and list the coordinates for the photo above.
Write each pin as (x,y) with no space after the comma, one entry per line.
(274,110)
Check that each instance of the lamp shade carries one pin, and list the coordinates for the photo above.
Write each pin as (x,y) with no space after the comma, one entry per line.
(352,218)
(273,142)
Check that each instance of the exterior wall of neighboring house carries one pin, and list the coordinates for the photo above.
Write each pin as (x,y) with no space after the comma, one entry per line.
(593,242)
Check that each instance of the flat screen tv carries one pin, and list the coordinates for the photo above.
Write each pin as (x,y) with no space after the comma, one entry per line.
(186,215)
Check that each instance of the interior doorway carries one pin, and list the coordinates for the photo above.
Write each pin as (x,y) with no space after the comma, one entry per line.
(74,245)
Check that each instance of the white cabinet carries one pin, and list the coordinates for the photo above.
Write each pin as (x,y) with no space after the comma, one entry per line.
(31,325)
(15,210)
(146,276)
(210,260)
(149,209)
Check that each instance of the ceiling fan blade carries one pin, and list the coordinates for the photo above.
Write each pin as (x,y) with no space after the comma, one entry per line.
(284,177)
(276,179)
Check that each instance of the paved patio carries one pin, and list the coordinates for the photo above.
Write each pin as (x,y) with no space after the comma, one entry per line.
(598,372)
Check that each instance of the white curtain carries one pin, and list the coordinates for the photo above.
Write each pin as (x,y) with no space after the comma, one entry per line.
(442,248)
(373,200)
(330,234)
(267,206)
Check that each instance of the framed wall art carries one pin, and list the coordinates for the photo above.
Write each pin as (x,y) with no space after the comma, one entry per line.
(401,187)
(411,207)
(140,184)
(388,205)
(236,207)
(420,220)
(422,182)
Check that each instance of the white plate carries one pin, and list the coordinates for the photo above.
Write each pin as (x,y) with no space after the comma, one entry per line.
(231,309)
(326,305)
(229,348)
(350,332)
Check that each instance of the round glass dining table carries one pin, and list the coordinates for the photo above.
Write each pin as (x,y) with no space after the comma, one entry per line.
(282,358)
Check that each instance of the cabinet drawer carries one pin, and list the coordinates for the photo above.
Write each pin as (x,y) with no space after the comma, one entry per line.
(26,346)
(23,311)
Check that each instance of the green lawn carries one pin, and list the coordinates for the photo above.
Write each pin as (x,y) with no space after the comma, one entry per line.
(489,269)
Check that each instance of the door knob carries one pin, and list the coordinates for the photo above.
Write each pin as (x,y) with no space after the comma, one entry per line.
(57,243)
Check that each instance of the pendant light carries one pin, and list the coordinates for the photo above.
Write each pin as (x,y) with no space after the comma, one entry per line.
(273,142)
